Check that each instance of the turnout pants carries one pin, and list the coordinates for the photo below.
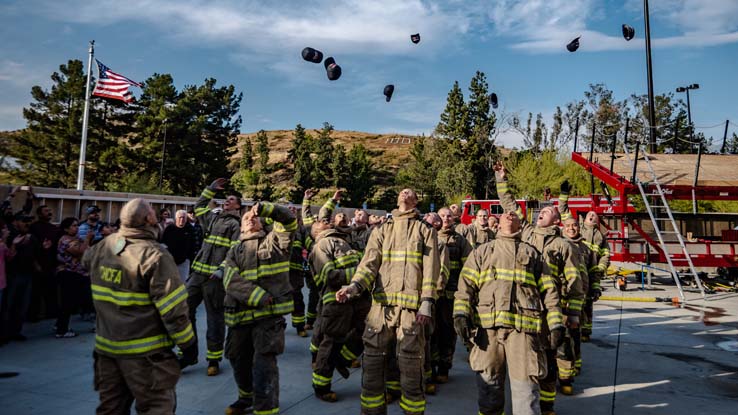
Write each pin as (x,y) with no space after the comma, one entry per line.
(548,382)
(150,381)
(200,288)
(313,299)
(330,335)
(566,356)
(391,327)
(443,341)
(252,350)
(501,350)
(297,282)
(587,317)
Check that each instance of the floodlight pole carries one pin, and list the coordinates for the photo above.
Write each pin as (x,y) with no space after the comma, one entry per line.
(649,70)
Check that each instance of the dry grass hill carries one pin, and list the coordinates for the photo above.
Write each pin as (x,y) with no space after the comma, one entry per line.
(389,151)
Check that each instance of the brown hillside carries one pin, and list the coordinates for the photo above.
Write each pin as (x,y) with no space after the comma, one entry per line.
(391,149)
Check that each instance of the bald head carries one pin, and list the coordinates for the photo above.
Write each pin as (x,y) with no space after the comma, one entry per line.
(407,200)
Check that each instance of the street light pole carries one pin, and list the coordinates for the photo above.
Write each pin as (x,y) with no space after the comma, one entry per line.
(649,70)
(689,110)
(163,155)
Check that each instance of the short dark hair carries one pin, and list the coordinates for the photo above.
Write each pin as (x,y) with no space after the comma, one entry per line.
(67,222)
(39,209)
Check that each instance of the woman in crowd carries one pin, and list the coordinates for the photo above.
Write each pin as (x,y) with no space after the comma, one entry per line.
(74,281)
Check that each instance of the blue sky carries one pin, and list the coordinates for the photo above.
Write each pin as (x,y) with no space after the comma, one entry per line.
(255,45)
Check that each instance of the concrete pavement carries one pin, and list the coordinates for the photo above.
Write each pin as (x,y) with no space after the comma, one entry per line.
(644,358)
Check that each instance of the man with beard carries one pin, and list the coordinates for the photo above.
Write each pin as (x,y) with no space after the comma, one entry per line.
(562,259)
(334,263)
(205,284)
(400,268)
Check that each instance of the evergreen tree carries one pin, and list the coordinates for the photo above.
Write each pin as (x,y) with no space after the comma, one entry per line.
(302,162)
(48,150)
(339,167)
(480,150)
(323,149)
(262,147)
(247,155)
(360,175)
(454,124)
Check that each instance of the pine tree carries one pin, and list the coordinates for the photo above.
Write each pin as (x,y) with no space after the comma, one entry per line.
(454,124)
(339,167)
(262,147)
(360,175)
(323,149)
(302,162)
(247,155)
(480,149)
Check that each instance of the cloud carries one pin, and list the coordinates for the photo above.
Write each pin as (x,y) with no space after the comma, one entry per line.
(16,74)
(540,26)
(350,27)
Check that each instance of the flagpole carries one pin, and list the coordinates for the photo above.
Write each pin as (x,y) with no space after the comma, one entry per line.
(85,119)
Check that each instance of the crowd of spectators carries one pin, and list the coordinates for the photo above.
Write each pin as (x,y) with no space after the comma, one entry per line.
(41,276)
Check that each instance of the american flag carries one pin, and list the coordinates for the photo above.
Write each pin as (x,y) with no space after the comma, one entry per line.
(112,85)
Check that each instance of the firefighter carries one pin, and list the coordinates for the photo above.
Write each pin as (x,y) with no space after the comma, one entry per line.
(141,313)
(299,273)
(443,341)
(311,314)
(258,294)
(400,268)
(334,263)
(507,285)
(561,257)
(221,231)
(435,221)
(569,356)
(360,230)
(479,232)
(492,224)
(593,238)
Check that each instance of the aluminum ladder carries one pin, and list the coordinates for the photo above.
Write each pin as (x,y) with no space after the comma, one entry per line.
(663,222)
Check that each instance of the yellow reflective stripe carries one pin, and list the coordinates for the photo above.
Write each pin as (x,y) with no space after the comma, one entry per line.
(571,273)
(323,274)
(220,241)
(207,194)
(267,412)
(372,401)
(214,354)
(266,270)
(471,275)
(404,300)
(455,265)
(402,256)
(120,298)
(548,396)
(366,277)
(204,268)
(290,226)
(201,211)
(554,319)
(308,243)
(320,380)
(517,275)
(329,297)
(330,204)
(575,305)
(349,274)
(134,346)
(347,353)
(184,336)
(392,384)
(171,300)
(245,394)
(255,298)
(296,243)
(462,306)
(313,348)
(348,260)
(546,283)
(247,316)
(502,188)
(266,209)
(554,268)
(412,406)
(509,319)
